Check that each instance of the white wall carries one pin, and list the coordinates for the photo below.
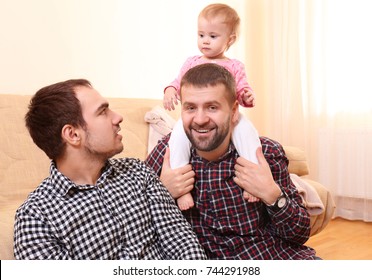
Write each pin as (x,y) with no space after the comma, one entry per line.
(125,48)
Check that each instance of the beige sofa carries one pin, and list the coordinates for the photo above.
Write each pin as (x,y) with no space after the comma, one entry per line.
(23,165)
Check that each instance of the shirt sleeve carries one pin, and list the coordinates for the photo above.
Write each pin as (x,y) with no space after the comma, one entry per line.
(241,81)
(292,222)
(185,67)
(155,159)
(34,238)
(177,239)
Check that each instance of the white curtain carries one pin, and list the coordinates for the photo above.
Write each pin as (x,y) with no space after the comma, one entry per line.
(314,90)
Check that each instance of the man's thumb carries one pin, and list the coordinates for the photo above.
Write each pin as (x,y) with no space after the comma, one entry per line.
(260,156)
(166,161)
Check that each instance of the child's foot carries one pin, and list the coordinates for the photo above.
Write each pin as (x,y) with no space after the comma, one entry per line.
(185,202)
(249,197)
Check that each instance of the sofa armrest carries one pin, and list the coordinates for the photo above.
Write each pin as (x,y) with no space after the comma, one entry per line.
(297,161)
(298,165)
(319,222)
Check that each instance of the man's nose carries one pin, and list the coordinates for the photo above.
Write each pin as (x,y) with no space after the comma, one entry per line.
(200,117)
(117,118)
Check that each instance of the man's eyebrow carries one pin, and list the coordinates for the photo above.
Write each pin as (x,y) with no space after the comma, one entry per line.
(102,107)
(186,103)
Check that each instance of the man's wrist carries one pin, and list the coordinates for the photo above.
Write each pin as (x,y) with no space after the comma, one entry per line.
(280,202)
(274,197)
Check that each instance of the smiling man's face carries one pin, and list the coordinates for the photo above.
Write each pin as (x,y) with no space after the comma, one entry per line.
(208,119)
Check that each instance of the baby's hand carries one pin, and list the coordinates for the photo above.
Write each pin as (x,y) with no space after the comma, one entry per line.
(170,98)
(249,98)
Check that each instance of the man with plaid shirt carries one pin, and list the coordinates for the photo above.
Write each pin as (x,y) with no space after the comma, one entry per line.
(228,226)
(92,206)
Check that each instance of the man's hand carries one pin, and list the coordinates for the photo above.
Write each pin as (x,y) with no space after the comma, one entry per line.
(257,179)
(178,181)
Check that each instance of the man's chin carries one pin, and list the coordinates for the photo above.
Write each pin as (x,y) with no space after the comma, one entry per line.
(117,151)
(202,144)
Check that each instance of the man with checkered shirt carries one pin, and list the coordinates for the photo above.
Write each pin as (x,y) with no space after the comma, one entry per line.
(92,206)
(228,226)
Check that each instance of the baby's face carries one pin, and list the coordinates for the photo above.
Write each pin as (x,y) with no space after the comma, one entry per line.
(213,37)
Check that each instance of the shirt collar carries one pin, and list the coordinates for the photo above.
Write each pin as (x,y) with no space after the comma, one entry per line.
(231,151)
(63,185)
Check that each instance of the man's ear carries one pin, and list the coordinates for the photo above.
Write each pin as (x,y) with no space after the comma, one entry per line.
(71,134)
(235,113)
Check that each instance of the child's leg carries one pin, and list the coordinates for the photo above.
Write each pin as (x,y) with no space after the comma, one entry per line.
(179,147)
(250,198)
(185,202)
(246,141)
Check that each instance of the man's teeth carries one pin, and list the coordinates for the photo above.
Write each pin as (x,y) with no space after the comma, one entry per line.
(202,130)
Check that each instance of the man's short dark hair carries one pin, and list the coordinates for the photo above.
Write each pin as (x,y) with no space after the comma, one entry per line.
(210,74)
(51,108)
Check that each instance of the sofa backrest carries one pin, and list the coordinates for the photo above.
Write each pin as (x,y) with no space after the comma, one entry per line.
(23,165)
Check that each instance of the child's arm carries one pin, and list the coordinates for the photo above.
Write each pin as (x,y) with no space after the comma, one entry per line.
(245,93)
(248,98)
(171,92)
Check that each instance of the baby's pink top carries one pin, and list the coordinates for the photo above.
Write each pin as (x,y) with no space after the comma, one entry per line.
(235,67)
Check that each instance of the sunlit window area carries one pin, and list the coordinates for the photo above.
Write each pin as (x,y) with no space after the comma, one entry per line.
(348,56)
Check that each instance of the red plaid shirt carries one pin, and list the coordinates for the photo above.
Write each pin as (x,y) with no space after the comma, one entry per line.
(230,227)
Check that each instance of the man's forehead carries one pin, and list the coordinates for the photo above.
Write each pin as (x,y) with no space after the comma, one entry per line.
(89,98)
(205,95)
(189,88)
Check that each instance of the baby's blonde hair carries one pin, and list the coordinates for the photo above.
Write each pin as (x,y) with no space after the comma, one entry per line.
(231,17)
